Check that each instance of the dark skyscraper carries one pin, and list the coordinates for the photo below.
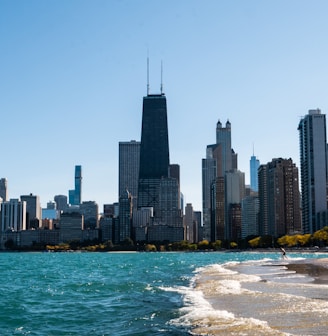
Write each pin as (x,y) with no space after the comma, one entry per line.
(154,151)
(159,182)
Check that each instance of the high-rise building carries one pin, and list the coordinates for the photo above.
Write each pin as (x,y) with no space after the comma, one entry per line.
(158,183)
(279,198)
(250,213)
(125,214)
(33,211)
(234,194)
(75,195)
(220,160)
(254,164)
(154,151)
(313,162)
(61,202)
(13,215)
(223,137)
(90,212)
(128,169)
(190,224)
(4,189)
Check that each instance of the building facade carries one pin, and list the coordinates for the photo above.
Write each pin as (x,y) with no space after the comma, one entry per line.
(4,189)
(158,183)
(279,198)
(13,215)
(61,202)
(254,165)
(220,161)
(128,169)
(33,211)
(313,164)
(75,195)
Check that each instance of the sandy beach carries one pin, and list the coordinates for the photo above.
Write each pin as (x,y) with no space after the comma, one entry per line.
(315,268)
(265,297)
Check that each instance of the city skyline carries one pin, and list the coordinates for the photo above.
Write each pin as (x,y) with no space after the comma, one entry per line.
(72,91)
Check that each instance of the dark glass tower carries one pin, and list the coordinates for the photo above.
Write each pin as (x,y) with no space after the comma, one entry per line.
(154,151)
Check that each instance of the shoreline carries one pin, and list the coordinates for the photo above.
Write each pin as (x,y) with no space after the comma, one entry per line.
(316,268)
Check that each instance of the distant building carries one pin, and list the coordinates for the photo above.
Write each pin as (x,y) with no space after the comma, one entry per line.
(125,217)
(106,225)
(158,183)
(4,189)
(128,169)
(90,211)
(234,193)
(13,215)
(191,224)
(75,195)
(33,211)
(250,214)
(61,202)
(313,157)
(216,193)
(279,198)
(254,166)
(71,226)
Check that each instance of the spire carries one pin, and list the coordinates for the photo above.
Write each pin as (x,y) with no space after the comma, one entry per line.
(148,74)
(161,77)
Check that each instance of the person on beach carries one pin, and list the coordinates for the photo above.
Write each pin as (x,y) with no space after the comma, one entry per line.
(283,253)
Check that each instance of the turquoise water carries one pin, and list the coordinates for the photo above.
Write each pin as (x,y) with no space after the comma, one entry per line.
(109,293)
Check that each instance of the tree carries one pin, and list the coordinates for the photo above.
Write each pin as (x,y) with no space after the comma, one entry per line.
(217,245)
(203,245)
(233,245)
(150,248)
(255,242)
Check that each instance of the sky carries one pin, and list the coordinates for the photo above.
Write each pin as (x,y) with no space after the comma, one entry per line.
(73,74)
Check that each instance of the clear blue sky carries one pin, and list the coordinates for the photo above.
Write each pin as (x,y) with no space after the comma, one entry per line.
(73,74)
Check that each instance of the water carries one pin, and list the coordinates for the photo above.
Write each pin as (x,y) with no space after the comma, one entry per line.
(57,294)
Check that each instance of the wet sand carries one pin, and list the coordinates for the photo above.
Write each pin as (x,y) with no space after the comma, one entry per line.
(316,268)
(250,298)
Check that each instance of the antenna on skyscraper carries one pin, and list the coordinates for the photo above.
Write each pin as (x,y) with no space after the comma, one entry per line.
(161,77)
(148,73)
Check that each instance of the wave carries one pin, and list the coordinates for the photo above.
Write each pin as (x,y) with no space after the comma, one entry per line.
(249,298)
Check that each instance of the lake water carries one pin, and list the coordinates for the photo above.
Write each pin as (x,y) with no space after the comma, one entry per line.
(197,293)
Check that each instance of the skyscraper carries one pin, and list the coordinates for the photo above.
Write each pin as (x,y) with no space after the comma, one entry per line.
(220,159)
(13,215)
(254,166)
(75,195)
(3,189)
(154,151)
(128,168)
(279,198)
(159,182)
(33,211)
(313,160)
(223,137)
(61,202)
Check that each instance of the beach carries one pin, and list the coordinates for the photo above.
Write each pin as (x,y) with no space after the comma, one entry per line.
(265,297)
(315,268)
